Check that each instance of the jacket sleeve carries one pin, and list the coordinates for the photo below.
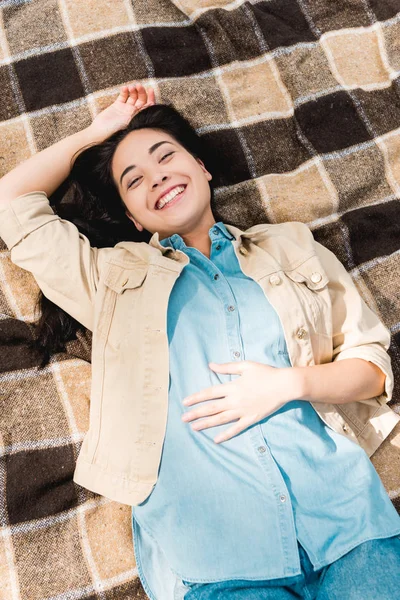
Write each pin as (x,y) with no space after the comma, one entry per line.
(59,257)
(356,330)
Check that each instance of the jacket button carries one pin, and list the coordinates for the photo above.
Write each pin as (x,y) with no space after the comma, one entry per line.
(275,280)
(345,427)
(243,250)
(316,277)
(301,333)
(125,282)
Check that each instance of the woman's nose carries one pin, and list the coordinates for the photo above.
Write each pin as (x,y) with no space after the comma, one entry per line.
(159,180)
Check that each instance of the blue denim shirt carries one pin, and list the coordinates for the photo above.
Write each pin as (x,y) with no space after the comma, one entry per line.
(236,510)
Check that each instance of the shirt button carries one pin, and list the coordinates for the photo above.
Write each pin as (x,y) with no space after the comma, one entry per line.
(316,277)
(231,308)
(218,247)
(275,280)
(243,250)
(261,449)
(236,354)
(216,231)
(216,276)
(301,333)
(282,498)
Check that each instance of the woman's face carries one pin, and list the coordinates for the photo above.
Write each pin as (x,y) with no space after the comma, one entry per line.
(147,164)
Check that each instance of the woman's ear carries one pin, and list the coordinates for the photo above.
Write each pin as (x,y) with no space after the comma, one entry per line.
(136,223)
(209,176)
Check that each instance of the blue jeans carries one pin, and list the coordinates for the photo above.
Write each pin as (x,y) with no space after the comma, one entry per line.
(371,571)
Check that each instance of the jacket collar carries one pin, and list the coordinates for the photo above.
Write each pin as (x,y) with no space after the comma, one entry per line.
(253,234)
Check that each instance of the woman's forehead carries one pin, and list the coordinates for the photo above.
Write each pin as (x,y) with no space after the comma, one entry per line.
(140,142)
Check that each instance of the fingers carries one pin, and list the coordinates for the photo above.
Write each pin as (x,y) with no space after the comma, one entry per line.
(204,411)
(225,417)
(137,95)
(216,391)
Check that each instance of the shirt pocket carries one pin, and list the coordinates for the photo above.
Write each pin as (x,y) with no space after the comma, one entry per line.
(121,311)
(310,284)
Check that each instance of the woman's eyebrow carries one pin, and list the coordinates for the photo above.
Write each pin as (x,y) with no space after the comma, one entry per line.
(152,149)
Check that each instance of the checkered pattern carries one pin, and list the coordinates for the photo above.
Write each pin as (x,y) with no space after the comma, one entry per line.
(302,101)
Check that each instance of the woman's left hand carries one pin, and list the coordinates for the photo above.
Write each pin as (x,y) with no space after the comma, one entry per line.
(259,391)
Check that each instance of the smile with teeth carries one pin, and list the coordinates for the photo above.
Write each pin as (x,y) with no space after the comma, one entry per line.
(170,196)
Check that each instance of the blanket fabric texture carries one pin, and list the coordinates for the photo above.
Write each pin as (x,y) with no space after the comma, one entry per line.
(300,99)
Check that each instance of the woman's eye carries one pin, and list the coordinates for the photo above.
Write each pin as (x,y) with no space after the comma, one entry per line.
(165,155)
(132,182)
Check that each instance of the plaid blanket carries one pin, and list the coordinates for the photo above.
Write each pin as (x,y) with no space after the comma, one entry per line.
(300,99)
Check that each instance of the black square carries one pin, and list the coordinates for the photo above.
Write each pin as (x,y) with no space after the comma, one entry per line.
(282,23)
(231,34)
(113,60)
(385,9)
(176,51)
(39,483)
(226,160)
(275,146)
(50,78)
(373,230)
(381,107)
(328,15)
(332,237)
(8,106)
(15,353)
(331,122)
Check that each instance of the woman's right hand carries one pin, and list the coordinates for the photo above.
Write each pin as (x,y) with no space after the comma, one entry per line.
(132,98)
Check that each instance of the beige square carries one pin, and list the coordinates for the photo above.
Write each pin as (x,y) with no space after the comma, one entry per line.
(256,90)
(358,176)
(391,34)
(390,145)
(198,99)
(20,289)
(49,547)
(93,16)
(355,59)
(303,195)
(6,584)
(73,380)
(51,127)
(109,533)
(189,6)
(2,56)
(305,71)
(14,146)
(157,11)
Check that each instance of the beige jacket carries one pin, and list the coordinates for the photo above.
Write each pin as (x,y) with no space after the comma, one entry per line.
(121,295)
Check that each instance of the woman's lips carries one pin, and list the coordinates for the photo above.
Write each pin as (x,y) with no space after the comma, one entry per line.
(174,201)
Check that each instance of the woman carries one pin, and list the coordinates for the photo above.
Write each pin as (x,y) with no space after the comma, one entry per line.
(248,476)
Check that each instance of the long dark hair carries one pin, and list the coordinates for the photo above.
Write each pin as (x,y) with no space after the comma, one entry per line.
(90,199)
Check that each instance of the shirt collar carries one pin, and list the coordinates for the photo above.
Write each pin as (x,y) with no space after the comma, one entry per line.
(176,242)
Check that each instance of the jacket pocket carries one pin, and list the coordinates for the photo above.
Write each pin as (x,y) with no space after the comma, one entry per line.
(122,304)
(310,283)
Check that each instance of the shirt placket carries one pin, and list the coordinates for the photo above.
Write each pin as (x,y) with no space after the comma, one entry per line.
(275,482)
